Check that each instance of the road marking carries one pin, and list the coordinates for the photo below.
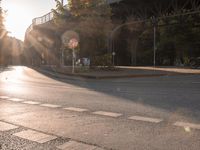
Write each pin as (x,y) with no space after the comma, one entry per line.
(72,145)
(6,127)
(147,119)
(187,125)
(196,82)
(31,102)
(15,99)
(109,114)
(35,136)
(50,105)
(4,97)
(75,109)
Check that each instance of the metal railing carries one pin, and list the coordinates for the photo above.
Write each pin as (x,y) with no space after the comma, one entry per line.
(41,20)
(48,17)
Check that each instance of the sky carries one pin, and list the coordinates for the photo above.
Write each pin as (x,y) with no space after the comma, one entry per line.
(21,12)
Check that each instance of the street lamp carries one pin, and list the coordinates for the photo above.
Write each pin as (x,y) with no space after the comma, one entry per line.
(111,39)
(113,54)
(154,22)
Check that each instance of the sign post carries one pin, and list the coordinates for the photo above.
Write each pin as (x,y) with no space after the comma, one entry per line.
(70,39)
(73,43)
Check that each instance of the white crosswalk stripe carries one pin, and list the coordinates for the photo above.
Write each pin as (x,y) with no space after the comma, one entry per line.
(50,105)
(15,99)
(146,119)
(4,97)
(109,114)
(76,109)
(31,102)
(187,125)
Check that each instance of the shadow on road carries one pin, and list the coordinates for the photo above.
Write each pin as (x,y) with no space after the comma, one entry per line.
(4,68)
(177,97)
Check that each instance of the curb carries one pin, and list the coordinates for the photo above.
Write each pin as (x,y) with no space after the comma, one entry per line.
(64,76)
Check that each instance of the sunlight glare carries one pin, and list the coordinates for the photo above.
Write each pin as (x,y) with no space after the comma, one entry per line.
(187,129)
(17,19)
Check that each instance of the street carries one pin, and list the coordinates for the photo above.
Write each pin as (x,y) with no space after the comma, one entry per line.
(75,113)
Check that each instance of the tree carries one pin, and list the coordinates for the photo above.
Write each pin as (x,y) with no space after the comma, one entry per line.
(3,34)
(91,19)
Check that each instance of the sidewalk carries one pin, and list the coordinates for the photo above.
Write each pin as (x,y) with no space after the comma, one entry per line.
(121,72)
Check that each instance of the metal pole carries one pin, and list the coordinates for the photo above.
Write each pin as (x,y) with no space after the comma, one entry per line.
(73,61)
(154,59)
(62,59)
(113,60)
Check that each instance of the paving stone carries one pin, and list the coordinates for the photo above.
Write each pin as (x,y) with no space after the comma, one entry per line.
(6,127)
(35,136)
(73,145)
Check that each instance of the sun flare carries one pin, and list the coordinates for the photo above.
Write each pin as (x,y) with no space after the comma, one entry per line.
(21,12)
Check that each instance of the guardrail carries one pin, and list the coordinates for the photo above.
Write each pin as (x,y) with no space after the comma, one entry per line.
(40,20)
(48,17)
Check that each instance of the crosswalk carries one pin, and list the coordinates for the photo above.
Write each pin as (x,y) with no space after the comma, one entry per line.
(103,113)
(42,138)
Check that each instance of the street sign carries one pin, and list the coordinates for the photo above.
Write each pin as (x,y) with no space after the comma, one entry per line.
(73,43)
(68,36)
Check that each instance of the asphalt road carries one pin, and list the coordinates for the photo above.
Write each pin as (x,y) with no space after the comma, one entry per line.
(145,113)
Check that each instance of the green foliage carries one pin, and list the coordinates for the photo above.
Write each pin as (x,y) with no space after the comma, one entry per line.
(61,14)
(179,38)
(103,60)
(91,20)
(89,8)
(3,31)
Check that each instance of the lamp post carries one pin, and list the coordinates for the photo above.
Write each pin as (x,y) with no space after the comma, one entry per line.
(154,22)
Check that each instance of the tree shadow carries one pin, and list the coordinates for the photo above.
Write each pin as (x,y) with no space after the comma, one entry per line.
(6,68)
(179,97)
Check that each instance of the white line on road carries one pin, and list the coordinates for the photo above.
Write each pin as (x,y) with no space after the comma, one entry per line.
(31,102)
(5,126)
(196,82)
(15,99)
(35,136)
(109,114)
(4,97)
(73,145)
(76,109)
(50,105)
(146,119)
(186,124)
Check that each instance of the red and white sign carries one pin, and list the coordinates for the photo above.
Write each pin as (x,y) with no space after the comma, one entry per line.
(73,43)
